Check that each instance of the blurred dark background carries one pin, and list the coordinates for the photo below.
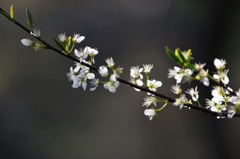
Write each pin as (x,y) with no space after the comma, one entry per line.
(41,116)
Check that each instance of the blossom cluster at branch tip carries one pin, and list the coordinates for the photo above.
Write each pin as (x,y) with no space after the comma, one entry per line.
(223,99)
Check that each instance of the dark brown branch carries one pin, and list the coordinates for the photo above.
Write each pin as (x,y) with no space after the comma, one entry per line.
(144,89)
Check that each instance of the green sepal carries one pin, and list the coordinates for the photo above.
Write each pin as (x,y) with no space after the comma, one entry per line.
(5,14)
(172,55)
(60,45)
(11,12)
(29,18)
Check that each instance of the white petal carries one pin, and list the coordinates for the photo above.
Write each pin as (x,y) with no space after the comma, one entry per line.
(139,82)
(158,84)
(84,85)
(215,76)
(206,81)
(90,75)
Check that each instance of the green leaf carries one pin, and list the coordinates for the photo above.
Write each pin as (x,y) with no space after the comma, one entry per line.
(68,43)
(172,55)
(180,55)
(29,18)
(5,14)
(188,55)
(11,12)
(60,45)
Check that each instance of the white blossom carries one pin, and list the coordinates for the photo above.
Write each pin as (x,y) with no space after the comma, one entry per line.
(80,54)
(77,38)
(62,37)
(135,72)
(233,110)
(176,89)
(84,76)
(215,106)
(219,63)
(110,62)
(117,71)
(180,101)
(72,76)
(202,75)
(150,113)
(80,66)
(153,85)
(112,84)
(199,66)
(180,75)
(222,75)
(193,93)
(91,52)
(36,32)
(95,83)
(103,71)
(150,100)
(137,82)
(27,42)
(147,68)
(218,94)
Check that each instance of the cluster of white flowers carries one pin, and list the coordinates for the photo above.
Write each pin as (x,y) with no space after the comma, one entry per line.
(136,78)
(223,100)
(81,73)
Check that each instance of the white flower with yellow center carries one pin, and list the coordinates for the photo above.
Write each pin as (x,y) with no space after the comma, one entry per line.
(153,85)
(110,62)
(91,52)
(193,93)
(222,75)
(176,89)
(135,72)
(147,68)
(62,37)
(103,71)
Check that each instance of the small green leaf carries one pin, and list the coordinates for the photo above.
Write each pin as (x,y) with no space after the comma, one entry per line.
(60,45)
(11,12)
(188,55)
(172,55)
(29,18)
(180,55)
(68,43)
(5,14)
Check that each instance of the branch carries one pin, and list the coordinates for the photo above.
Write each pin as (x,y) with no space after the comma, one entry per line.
(144,89)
